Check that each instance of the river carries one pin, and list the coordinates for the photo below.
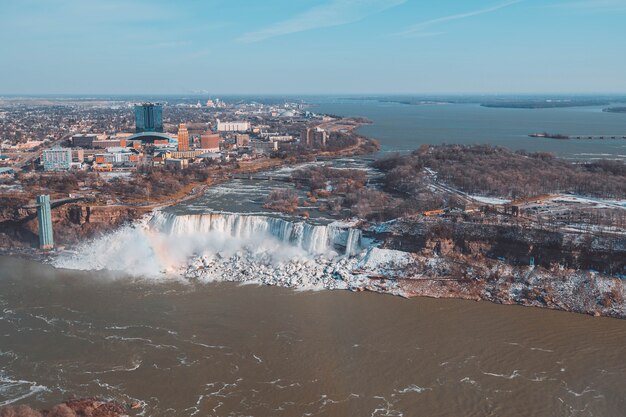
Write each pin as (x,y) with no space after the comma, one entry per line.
(403,127)
(229,350)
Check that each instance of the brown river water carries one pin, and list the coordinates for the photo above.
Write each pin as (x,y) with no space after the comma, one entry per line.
(231,350)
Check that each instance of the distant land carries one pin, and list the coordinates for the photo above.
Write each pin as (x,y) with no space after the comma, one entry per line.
(615,110)
(508,102)
(545,104)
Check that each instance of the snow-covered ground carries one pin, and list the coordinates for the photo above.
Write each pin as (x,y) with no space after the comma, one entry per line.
(597,202)
(489,200)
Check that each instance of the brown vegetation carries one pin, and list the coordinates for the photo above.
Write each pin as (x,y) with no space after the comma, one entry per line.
(488,170)
(282,200)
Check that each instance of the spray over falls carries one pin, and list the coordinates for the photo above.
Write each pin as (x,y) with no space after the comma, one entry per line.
(231,247)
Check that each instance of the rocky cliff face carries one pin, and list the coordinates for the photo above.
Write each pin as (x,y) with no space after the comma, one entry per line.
(71,223)
(89,407)
(512,244)
(511,265)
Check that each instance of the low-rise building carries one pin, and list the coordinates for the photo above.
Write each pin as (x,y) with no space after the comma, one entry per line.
(6,172)
(109,143)
(160,157)
(78,155)
(212,156)
(259,147)
(210,142)
(242,140)
(232,126)
(177,163)
(281,138)
(117,159)
(186,154)
(84,140)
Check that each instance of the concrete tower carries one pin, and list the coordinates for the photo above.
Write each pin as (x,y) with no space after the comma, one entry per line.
(44,216)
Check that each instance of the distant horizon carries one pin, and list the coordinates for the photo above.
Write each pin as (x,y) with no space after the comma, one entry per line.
(217,95)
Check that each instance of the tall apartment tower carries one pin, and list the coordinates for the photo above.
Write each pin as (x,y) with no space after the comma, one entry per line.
(44,217)
(183,137)
(314,137)
(149,118)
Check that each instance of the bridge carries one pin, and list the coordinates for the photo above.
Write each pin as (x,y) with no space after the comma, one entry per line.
(61,201)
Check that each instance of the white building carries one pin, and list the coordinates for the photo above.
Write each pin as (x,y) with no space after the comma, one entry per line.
(281,138)
(232,126)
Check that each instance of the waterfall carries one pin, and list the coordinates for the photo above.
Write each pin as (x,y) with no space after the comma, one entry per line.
(313,239)
(353,241)
(167,242)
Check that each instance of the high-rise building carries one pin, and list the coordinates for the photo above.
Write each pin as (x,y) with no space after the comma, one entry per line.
(57,159)
(314,137)
(210,142)
(183,137)
(149,117)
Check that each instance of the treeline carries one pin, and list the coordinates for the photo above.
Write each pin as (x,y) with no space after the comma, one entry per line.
(152,183)
(283,200)
(345,189)
(147,182)
(494,171)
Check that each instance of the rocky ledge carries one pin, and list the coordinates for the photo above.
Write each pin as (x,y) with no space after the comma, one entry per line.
(413,274)
(89,407)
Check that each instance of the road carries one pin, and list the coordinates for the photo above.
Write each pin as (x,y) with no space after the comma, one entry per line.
(24,159)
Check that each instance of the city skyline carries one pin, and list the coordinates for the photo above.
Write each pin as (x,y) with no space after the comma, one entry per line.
(313,47)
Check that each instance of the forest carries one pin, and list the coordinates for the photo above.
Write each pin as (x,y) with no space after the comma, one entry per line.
(494,171)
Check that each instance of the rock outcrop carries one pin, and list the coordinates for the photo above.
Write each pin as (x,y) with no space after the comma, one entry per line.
(90,407)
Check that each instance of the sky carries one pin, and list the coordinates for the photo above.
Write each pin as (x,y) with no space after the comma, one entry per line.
(312,46)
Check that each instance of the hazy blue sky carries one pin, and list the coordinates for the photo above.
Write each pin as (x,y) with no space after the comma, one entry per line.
(312,46)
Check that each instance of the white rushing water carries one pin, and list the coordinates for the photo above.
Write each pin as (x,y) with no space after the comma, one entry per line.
(166,242)
(236,247)
(312,239)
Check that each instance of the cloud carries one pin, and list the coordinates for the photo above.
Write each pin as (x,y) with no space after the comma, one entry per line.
(595,5)
(416,29)
(335,13)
